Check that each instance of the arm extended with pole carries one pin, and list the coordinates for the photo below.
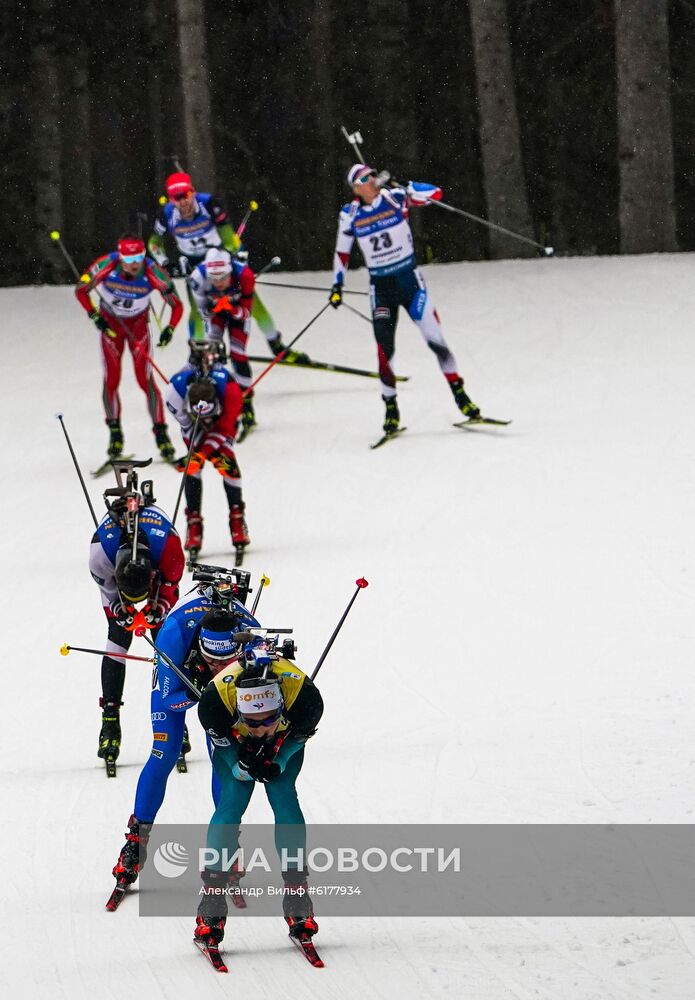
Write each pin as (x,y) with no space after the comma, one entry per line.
(355,140)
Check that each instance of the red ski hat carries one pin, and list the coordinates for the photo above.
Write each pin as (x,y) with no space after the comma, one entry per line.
(178,184)
(131,246)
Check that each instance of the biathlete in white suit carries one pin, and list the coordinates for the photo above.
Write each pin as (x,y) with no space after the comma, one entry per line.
(378,219)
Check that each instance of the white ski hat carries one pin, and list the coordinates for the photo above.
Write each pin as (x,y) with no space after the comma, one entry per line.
(218,263)
(358,171)
(263,697)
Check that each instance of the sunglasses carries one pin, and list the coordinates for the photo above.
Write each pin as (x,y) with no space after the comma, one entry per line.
(181,197)
(365,179)
(132,258)
(252,723)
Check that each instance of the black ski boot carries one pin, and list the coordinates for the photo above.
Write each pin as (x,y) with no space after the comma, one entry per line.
(132,857)
(110,735)
(212,909)
(248,416)
(186,745)
(161,436)
(115,447)
(297,906)
(393,417)
(463,401)
(291,357)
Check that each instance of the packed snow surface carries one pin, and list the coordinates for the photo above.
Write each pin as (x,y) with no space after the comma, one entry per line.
(523,653)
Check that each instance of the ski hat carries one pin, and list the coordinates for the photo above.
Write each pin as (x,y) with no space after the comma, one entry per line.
(178,184)
(215,637)
(218,263)
(255,695)
(358,171)
(202,399)
(131,246)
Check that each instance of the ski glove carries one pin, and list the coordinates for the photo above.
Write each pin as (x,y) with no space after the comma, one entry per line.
(101,323)
(336,296)
(123,616)
(155,613)
(240,772)
(165,336)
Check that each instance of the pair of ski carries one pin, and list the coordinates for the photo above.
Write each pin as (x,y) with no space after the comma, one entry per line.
(210,948)
(469,423)
(303,942)
(325,366)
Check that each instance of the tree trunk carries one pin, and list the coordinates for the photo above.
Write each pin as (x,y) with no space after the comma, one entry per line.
(78,181)
(503,171)
(195,83)
(48,203)
(645,142)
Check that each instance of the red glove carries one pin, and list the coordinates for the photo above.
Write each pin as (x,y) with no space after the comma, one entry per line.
(225,304)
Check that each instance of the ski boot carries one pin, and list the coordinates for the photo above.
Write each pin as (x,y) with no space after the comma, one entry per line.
(134,852)
(297,907)
(291,357)
(194,534)
(161,436)
(463,401)
(115,447)
(110,735)
(212,909)
(237,525)
(248,416)
(186,745)
(393,417)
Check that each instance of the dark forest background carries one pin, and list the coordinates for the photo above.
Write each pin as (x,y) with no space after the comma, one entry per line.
(570,121)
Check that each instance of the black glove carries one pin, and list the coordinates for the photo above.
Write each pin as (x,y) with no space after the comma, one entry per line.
(264,771)
(99,321)
(123,616)
(165,336)
(336,296)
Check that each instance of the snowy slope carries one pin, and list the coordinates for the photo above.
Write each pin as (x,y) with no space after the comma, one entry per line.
(544,575)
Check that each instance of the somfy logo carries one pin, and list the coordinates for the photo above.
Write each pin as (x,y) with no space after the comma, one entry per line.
(171,860)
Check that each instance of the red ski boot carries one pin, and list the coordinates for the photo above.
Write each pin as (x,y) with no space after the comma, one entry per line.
(237,526)
(194,534)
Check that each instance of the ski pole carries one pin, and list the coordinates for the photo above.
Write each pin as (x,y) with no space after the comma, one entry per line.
(169,662)
(282,354)
(253,207)
(307,288)
(355,139)
(361,584)
(55,236)
(357,312)
(140,346)
(273,262)
(77,469)
(185,470)
(548,251)
(264,582)
(65,649)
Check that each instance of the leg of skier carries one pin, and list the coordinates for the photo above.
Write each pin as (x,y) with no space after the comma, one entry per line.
(140,343)
(385,320)
(112,682)
(111,354)
(238,337)
(424,315)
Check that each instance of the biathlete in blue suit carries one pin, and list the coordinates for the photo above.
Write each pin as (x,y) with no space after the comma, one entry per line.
(197,637)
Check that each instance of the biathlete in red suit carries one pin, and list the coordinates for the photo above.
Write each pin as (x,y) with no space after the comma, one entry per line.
(124,282)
